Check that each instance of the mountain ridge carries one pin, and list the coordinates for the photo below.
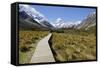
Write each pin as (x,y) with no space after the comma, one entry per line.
(29,17)
(33,18)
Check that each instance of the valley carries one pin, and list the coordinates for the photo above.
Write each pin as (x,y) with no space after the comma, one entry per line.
(69,38)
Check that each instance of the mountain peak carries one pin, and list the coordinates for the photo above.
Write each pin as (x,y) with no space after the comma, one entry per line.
(32,17)
(88,22)
(31,11)
(60,23)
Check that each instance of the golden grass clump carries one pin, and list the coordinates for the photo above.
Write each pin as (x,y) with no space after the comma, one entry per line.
(27,43)
(26,38)
(74,47)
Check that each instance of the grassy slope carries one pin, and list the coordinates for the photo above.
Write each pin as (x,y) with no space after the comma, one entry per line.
(73,45)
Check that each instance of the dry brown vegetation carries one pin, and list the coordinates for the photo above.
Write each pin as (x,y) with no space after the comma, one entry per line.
(74,47)
(27,42)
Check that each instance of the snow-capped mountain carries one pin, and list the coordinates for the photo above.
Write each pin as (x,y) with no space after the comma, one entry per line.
(88,22)
(32,17)
(60,23)
(31,12)
(29,17)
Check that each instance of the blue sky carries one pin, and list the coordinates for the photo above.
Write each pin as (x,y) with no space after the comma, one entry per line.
(68,14)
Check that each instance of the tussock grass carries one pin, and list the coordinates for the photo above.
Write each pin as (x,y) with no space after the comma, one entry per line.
(74,47)
(27,43)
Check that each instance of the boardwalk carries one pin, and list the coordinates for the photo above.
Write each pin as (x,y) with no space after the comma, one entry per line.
(43,52)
